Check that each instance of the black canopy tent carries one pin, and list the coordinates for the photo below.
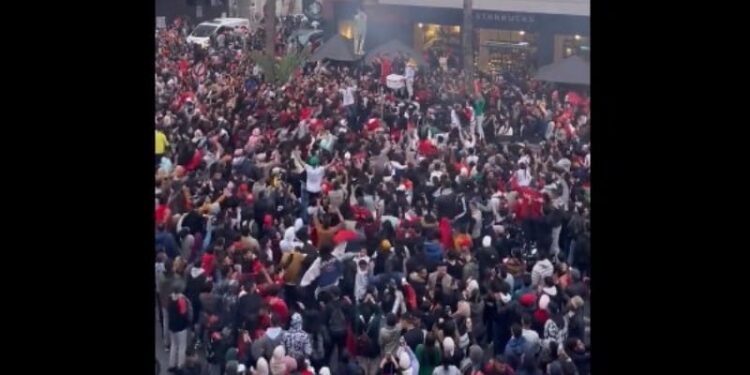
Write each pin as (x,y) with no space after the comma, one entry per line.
(573,70)
(393,48)
(336,48)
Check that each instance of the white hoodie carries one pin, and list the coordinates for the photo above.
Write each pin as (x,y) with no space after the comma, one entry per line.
(542,269)
(290,241)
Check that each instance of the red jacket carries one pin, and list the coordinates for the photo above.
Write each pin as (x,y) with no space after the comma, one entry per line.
(208,263)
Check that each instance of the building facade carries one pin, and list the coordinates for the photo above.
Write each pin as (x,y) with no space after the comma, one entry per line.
(506,32)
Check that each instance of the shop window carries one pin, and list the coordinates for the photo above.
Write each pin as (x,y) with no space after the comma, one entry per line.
(576,45)
(506,50)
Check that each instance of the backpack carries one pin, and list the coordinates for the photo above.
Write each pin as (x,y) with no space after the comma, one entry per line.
(365,344)
(337,322)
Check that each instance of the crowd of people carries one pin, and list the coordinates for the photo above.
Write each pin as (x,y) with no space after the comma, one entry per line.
(329,225)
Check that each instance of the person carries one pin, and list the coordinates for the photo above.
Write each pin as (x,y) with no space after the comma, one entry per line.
(556,327)
(517,345)
(530,335)
(296,341)
(268,180)
(428,355)
(273,337)
(498,366)
(529,364)
(542,268)
(577,352)
(576,319)
(161,144)
(389,335)
(180,318)
(473,363)
(446,368)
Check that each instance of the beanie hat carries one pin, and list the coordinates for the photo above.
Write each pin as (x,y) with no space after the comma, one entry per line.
(527,300)
(313,161)
(385,245)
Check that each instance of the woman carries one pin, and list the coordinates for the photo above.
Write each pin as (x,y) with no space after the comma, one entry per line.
(428,355)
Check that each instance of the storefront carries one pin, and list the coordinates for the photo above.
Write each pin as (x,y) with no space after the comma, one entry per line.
(501,39)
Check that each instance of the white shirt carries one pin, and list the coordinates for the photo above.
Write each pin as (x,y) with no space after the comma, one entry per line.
(455,121)
(348,94)
(523,177)
(531,336)
(314,178)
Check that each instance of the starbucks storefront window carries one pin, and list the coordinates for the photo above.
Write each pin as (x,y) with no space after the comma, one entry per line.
(572,45)
(505,50)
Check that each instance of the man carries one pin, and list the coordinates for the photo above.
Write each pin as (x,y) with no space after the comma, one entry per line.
(517,345)
(196,283)
(248,306)
(296,341)
(478,105)
(414,334)
(180,315)
(388,339)
(440,276)
(577,352)
(531,336)
(273,337)
(168,281)
(410,71)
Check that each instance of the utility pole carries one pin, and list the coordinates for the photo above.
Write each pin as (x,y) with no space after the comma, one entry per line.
(468,45)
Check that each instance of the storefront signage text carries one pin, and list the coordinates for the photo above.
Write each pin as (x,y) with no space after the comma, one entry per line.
(496,17)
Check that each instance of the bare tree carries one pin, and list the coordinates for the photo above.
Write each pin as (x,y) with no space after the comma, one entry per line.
(468,45)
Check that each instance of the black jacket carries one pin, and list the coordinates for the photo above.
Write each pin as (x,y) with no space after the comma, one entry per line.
(177,321)
(247,308)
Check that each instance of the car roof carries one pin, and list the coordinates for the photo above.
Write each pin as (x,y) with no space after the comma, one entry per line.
(225,21)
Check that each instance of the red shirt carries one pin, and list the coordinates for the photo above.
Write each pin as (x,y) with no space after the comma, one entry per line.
(529,203)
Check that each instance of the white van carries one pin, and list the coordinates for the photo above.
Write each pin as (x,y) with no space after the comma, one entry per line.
(202,33)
